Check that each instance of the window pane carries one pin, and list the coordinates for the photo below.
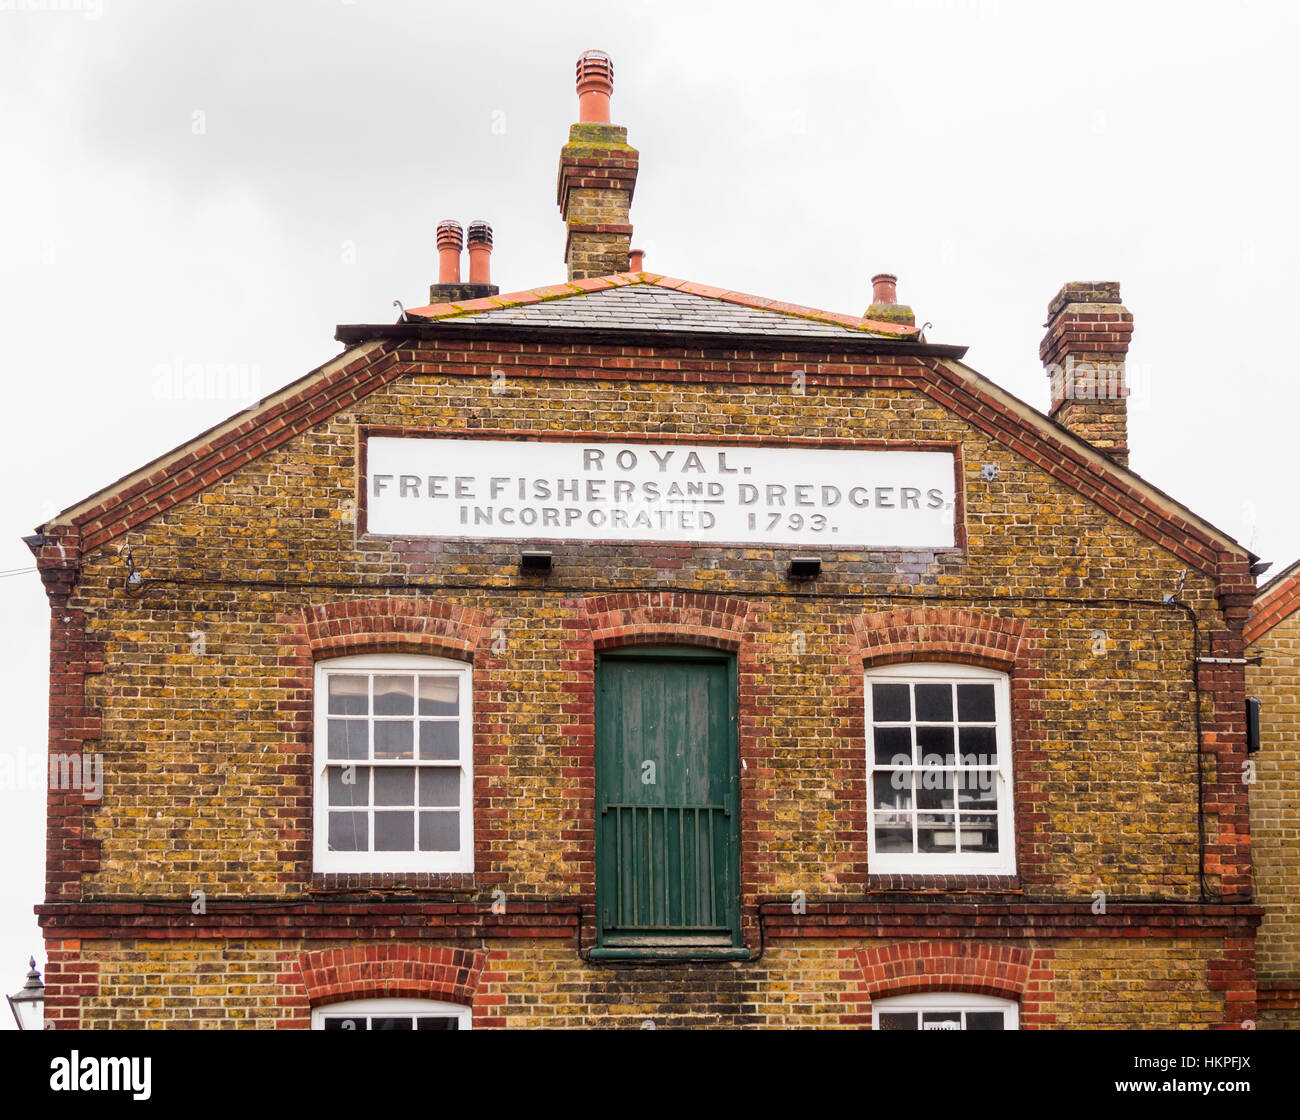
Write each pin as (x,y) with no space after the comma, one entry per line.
(893,789)
(347,832)
(934,701)
(391,1023)
(934,789)
(893,745)
(979,746)
(893,832)
(394,739)
(394,696)
(394,786)
(934,745)
(984,1021)
(348,738)
(394,832)
(975,703)
(349,785)
(890,702)
(440,740)
(979,832)
(936,832)
(339,1023)
(898,1020)
(439,696)
(439,832)
(348,695)
(941,1020)
(440,786)
(436,1023)
(978,790)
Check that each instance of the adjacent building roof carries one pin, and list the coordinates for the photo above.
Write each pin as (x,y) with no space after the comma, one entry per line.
(649,301)
(1275,601)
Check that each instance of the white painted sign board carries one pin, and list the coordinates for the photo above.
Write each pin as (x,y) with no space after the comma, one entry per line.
(805,497)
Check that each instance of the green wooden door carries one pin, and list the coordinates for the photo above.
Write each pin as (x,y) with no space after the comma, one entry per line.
(667,799)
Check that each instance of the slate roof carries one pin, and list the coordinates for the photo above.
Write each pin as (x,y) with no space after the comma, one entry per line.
(646,301)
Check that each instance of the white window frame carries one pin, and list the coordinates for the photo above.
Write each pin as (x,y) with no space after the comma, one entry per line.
(383,862)
(381,1008)
(947,1001)
(1001,862)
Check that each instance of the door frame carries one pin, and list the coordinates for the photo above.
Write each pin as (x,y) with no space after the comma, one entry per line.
(704,655)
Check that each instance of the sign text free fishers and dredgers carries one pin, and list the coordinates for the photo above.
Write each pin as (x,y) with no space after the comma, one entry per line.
(589,491)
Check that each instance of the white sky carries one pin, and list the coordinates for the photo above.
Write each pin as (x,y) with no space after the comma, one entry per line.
(984,150)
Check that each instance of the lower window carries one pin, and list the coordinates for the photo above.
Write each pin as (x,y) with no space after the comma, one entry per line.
(944,1011)
(391,1015)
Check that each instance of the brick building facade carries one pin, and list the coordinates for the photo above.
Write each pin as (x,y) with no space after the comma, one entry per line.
(407,745)
(1273,677)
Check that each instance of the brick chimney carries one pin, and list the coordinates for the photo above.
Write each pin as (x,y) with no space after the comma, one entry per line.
(596,179)
(1084,353)
(451,239)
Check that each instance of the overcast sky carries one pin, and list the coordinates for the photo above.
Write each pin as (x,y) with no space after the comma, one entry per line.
(223,183)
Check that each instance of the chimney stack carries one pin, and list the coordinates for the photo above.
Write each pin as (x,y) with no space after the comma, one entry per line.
(1084,353)
(480,252)
(597,178)
(885,307)
(451,238)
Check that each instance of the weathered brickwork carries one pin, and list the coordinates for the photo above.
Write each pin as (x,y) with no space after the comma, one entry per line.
(1146,984)
(197,687)
(1275,806)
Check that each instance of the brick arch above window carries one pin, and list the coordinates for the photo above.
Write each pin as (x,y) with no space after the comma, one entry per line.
(393,625)
(936,966)
(389,971)
(716,621)
(938,634)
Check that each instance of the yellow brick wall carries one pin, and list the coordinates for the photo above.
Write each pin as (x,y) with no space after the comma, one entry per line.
(1275,804)
(191,740)
(1097,984)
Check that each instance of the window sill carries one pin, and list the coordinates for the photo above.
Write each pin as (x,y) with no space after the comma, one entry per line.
(671,953)
(947,882)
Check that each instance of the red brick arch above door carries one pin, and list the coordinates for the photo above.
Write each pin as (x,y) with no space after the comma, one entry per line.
(717,621)
(389,971)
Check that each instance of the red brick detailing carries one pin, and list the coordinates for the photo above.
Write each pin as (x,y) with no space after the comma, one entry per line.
(609,621)
(1234,975)
(1278,599)
(73,731)
(938,634)
(390,971)
(1008,971)
(68,978)
(420,625)
(1225,798)
(1280,996)
(937,966)
(323,916)
(393,626)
